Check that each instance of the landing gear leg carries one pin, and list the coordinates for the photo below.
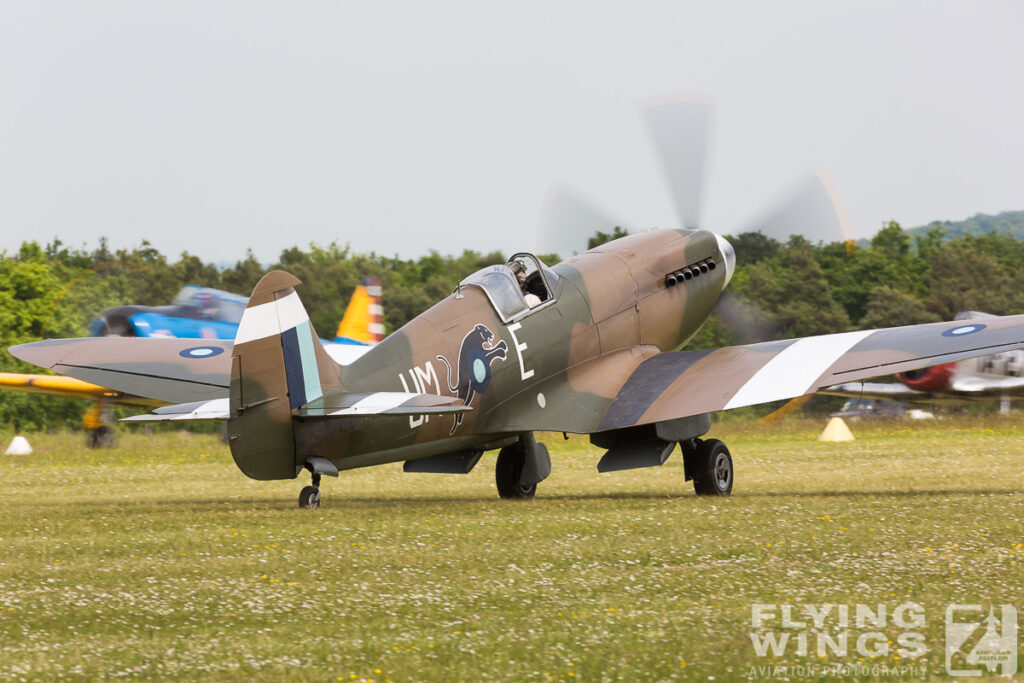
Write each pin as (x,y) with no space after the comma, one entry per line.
(709,464)
(310,496)
(100,433)
(100,437)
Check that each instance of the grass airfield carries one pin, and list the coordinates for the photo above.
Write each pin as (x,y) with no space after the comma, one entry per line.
(158,559)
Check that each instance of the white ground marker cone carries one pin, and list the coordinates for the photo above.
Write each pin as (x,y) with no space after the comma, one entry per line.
(19,446)
(836,430)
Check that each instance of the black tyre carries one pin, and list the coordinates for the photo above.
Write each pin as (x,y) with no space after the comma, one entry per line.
(309,498)
(712,469)
(507,471)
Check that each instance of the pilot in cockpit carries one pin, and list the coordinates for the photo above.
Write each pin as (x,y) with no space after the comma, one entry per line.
(520,272)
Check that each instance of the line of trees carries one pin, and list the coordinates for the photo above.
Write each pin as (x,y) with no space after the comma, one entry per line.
(779,289)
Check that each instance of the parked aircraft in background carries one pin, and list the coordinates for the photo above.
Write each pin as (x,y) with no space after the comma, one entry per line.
(363,322)
(198,312)
(997,376)
(587,346)
(871,408)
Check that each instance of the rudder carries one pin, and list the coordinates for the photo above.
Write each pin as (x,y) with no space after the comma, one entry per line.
(277,366)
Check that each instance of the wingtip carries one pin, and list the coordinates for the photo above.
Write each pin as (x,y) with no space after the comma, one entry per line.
(44,354)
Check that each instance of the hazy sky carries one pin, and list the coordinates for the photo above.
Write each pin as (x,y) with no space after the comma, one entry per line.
(401,127)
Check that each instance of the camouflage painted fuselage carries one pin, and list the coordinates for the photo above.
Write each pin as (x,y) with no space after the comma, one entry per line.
(549,368)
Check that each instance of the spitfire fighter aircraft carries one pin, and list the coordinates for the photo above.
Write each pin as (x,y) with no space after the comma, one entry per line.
(589,346)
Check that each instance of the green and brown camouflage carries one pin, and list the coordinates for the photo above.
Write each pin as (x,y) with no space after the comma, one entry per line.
(564,360)
(591,345)
(556,366)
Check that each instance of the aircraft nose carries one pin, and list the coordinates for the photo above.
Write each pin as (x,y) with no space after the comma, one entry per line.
(729,256)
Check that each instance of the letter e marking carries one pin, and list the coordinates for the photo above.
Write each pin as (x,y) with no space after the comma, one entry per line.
(524,374)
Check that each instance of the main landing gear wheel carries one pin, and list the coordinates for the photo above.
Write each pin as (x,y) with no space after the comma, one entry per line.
(309,498)
(711,465)
(509,469)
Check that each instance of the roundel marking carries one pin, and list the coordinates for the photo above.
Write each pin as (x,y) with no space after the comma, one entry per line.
(963,330)
(479,370)
(201,352)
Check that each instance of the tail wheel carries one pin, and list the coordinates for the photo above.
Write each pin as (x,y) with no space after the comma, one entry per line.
(309,498)
(712,469)
(508,470)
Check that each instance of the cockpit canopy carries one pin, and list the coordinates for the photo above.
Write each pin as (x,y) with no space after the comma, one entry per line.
(515,288)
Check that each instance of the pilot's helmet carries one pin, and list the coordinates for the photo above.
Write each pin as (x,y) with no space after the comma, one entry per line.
(519,271)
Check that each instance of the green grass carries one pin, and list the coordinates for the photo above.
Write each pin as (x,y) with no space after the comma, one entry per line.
(158,559)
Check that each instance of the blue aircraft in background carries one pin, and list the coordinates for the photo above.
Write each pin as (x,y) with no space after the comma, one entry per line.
(207,313)
(197,312)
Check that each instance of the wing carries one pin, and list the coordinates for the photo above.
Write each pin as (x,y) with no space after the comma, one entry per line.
(68,387)
(167,370)
(680,384)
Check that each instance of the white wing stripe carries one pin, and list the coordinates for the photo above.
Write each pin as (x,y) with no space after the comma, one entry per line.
(793,371)
(379,402)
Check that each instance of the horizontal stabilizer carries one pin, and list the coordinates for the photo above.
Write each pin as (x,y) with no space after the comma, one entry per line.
(216,409)
(346,404)
(169,370)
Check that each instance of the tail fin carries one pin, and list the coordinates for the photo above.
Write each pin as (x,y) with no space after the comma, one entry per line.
(277,366)
(364,318)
